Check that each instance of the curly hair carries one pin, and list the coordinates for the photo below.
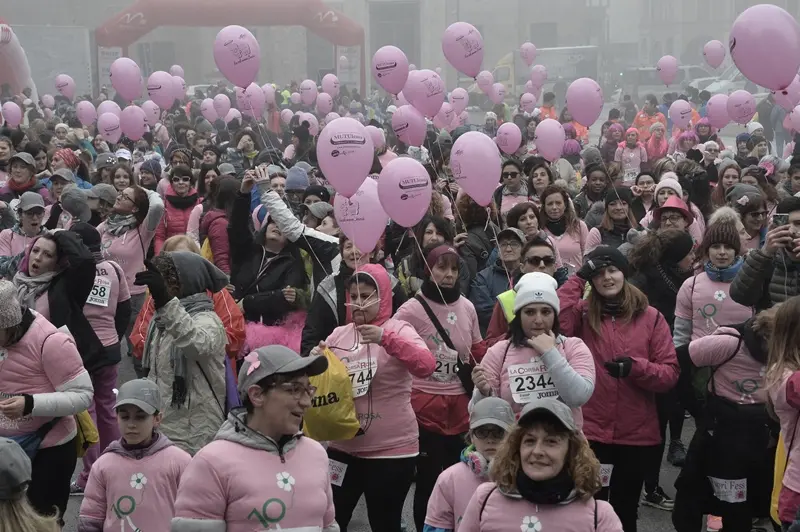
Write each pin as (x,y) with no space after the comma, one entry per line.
(473,214)
(663,165)
(583,466)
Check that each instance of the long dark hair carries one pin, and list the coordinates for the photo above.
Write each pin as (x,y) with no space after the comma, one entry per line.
(201,181)
(417,262)
(516,334)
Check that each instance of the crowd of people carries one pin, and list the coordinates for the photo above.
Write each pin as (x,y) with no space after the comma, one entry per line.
(520,363)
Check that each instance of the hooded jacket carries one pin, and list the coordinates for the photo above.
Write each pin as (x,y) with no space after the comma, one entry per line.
(176,219)
(133,487)
(244,481)
(764,281)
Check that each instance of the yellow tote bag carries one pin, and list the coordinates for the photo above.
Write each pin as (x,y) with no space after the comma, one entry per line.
(87,433)
(332,415)
(777,480)
(205,251)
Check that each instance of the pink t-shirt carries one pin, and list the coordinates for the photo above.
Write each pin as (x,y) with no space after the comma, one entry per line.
(631,161)
(12,244)
(508,202)
(461,323)
(504,514)
(128,251)
(110,288)
(709,305)
(572,248)
(453,490)
(739,379)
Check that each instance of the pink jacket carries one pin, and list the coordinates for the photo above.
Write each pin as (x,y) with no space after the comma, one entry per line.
(503,513)
(622,411)
(45,363)
(382,379)
(175,221)
(12,244)
(215,226)
(786,400)
(133,489)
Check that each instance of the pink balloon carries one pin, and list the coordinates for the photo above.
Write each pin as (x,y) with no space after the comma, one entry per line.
(109,127)
(390,68)
(48,114)
(286,116)
(324,103)
(404,189)
(109,106)
(400,99)
(133,122)
(459,98)
(179,86)
(509,137)
(585,101)
(295,98)
(222,104)
(233,114)
(667,68)
(538,76)
(485,81)
(528,53)
(269,93)
(313,123)
(345,153)
(549,139)
(152,112)
(252,100)
(409,125)
(680,112)
(161,89)
(308,92)
(765,46)
(237,55)
(378,139)
(126,78)
(48,101)
(360,215)
(741,107)
(475,163)
(527,102)
(330,84)
(427,92)
(714,53)
(12,114)
(535,91)
(446,113)
(87,114)
(330,117)
(790,96)
(208,111)
(463,118)
(462,45)
(717,111)
(787,122)
(65,86)
(177,70)
(498,93)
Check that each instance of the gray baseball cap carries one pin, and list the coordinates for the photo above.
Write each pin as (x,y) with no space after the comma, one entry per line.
(30,200)
(276,359)
(511,232)
(143,393)
(105,192)
(65,174)
(554,408)
(491,411)
(320,209)
(105,160)
(25,157)
(227,169)
(15,470)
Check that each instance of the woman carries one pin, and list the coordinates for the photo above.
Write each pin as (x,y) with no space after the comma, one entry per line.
(55,215)
(748,202)
(613,138)
(729,174)
(150,173)
(388,446)
(479,226)
(595,185)
(122,177)
(184,349)
(39,154)
(545,476)
(245,152)
(631,154)
(632,341)
(617,220)
(565,167)
(541,177)
(757,176)
(214,224)
(431,232)
(525,217)
(562,225)
(448,323)
(14,241)
(498,276)
(227,483)
(644,191)
(681,145)
(68,159)
(529,145)
(16,511)
(489,421)
(514,189)
(180,198)
(207,185)
(657,145)
(669,194)
(6,150)
(44,385)
(663,166)
(21,178)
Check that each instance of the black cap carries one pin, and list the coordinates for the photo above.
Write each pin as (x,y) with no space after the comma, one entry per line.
(604,256)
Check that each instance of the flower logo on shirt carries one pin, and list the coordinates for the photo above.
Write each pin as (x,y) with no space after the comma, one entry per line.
(285,481)
(720,295)
(531,523)
(138,480)
(452,318)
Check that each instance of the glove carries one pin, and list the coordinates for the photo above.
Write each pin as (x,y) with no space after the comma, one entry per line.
(589,268)
(619,368)
(154,281)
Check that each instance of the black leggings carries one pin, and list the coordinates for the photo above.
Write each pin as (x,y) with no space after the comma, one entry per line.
(436,453)
(384,482)
(670,411)
(50,478)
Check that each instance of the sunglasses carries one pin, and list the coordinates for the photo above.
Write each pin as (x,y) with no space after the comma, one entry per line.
(181,179)
(511,175)
(536,261)
(486,432)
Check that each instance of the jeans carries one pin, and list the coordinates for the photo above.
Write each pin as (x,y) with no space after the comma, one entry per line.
(436,453)
(104,380)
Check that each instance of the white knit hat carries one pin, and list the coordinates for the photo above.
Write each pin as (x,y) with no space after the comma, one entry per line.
(10,309)
(668,181)
(536,287)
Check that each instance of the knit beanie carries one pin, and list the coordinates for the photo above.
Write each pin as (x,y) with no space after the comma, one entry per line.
(10,309)
(619,193)
(604,256)
(678,247)
(296,179)
(152,166)
(670,180)
(536,287)
(740,194)
(318,191)
(722,233)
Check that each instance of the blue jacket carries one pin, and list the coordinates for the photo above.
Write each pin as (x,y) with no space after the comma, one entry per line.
(85,185)
(487,285)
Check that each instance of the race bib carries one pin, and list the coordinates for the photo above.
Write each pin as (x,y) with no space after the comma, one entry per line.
(605,474)
(446,364)
(530,382)
(729,490)
(361,374)
(336,471)
(101,292)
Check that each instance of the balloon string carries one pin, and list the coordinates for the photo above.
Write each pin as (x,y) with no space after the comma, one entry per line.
(260,131)
(442,174)
(499,249)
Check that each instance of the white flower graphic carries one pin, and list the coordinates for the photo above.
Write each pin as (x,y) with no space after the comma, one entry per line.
(720,295)
(138,480)
(531,524)
(285,481)
(452,318)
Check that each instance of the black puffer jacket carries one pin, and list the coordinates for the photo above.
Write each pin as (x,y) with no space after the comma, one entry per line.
(661,284)
(764,281)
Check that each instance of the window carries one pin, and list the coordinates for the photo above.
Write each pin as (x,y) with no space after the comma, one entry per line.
(396,23)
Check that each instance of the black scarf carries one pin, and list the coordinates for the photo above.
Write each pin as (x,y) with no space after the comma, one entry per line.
(557,227)
(183,202)
(612,307)
(430,291)
(552,491)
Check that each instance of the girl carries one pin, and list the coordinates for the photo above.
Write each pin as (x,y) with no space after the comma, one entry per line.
(564,227)
(541,177)
(644,191)
(631,154)
(657,145)
(16,512)
(214,225)
(613,138)
(581,131)
(748,202)
(181,197)
(122,177)
(207,186)
(14,241)
(681,145)
(757,177)
(617,220)
(594,189)
(729,174)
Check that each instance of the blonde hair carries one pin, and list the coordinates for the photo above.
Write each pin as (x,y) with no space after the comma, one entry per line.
(784,342)
(18,515)
(583,466)
(177,241)
(634,303)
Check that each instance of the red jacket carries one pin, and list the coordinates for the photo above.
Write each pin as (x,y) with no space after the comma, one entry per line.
(175,220)
(622,411)
(215,227)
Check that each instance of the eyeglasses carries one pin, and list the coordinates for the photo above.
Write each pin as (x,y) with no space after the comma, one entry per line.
(486,432)
(712,150)
(124,197)
(758,214)
(182,179)
(671,218)
(297,390)
(514,244)
(510,175)
(535,261)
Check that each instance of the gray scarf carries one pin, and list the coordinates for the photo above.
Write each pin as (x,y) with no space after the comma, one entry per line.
(30,288)
(521,191)
(118,224)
